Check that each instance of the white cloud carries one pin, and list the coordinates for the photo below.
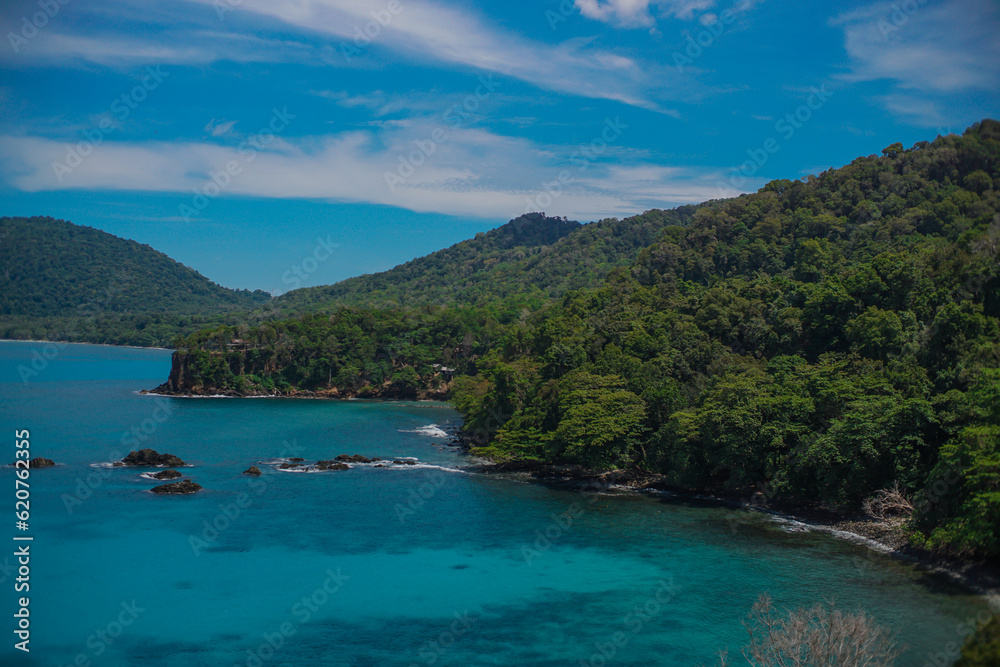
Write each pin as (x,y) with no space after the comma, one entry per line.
(470,172)
(944,48)
(914,110)
(181,46)
(219,128)
(428,31)
(637,14)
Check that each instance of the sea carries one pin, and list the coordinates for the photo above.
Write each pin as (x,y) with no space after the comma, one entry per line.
(395,564)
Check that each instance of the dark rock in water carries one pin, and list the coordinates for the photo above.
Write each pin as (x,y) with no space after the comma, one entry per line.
(166,474)
(379,465)
(149,457)
(331,465)
(404,462)
(252,470)
(356,458)
(39,462)
(296,459)
(289,466)
(187,486)
(375,459)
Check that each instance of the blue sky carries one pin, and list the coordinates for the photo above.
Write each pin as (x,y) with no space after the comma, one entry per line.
(235,135)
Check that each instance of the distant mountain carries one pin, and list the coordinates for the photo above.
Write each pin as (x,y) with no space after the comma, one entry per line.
(532,254)
(60,280)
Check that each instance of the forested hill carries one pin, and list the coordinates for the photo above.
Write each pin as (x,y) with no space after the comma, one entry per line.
(61,280)
(532,254)
(815,342)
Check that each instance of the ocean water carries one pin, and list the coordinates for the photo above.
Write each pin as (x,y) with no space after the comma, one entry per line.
(403,565)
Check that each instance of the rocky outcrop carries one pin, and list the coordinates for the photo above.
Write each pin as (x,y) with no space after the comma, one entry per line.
(38,462)
(404,462)
(357,458)
(253,471)
(331,465)
(150,458)
(166,474)
(177,488)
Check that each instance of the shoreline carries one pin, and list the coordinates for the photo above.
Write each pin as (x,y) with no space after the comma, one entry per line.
(66,342)
(977,577)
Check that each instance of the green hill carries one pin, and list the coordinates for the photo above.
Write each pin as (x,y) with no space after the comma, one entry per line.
(65,281)
(533,254)
(815,343)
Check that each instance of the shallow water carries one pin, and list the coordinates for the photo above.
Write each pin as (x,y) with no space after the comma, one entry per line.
(404,565)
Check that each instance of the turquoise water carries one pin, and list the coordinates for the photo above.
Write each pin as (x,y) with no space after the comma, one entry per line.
(421,565)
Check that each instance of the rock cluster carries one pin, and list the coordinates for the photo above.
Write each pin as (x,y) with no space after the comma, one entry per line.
(166,474)
(177,488)
(150,458)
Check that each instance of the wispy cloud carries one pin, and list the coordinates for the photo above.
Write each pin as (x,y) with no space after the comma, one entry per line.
(637,13)
(431,32)
(352,166)
(172,46)
(219,128)
(915,110)
(946,48)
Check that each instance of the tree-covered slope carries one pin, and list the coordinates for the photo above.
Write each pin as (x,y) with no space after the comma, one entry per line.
(60,278)
(815,342)
(530,254)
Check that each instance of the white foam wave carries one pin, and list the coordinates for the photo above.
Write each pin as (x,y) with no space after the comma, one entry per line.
(430,431)
(150,475)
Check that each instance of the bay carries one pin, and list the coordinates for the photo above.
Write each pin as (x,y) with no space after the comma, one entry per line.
(403,565)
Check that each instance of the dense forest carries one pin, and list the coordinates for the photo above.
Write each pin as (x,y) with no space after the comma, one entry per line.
(816,341)
(533,254)
(62,281)
(66,282)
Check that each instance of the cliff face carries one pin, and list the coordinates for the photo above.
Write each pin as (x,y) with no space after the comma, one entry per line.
(180,379)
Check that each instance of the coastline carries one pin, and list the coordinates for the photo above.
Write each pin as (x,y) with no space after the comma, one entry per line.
(66,342)
(887,538)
